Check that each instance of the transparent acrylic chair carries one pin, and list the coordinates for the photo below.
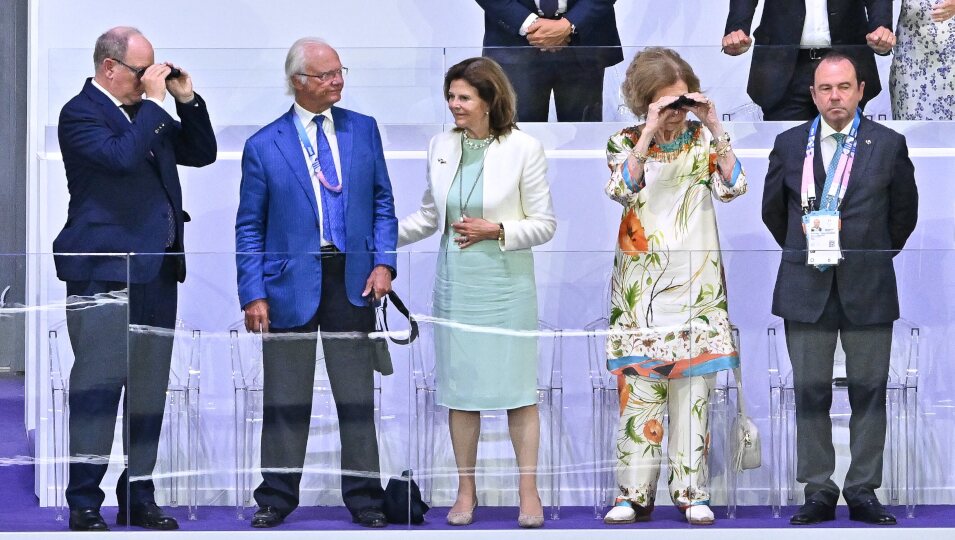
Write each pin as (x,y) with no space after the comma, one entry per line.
(432,423)
(902,413)
(178,452)
(247,379)
(605,406)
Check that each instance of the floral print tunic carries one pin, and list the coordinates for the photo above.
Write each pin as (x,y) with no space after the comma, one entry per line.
(922,78)
(668,314)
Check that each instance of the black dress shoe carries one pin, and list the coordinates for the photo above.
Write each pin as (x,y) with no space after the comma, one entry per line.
(813,512)
(370,517)
(871,511)
(87,519)
(148,516)
(267,517)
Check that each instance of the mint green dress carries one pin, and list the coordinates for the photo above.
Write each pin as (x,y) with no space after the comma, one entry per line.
(486,290)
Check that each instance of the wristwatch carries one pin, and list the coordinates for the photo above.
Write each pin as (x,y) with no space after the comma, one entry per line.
(500,233)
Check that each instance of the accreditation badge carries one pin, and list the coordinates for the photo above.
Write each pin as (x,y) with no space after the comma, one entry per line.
(822,238)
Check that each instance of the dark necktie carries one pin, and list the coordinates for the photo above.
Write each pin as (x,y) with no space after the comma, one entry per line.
(132,109)
(333,208)
(548,8)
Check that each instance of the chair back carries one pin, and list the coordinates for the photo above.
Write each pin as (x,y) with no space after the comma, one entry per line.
(246,354)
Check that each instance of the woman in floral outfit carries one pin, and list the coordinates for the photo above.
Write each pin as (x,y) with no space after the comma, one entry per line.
(669,329)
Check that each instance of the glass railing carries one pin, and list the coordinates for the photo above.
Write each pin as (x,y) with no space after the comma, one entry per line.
(482,346)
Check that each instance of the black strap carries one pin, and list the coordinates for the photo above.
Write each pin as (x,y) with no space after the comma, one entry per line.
(400,306)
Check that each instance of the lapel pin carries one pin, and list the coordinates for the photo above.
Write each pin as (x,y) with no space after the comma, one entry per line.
(441,161)
(868,141)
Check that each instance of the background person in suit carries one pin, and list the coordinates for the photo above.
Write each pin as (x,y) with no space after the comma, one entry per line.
(120,152)
(856,300)
(794,35)
(315,235)
(488,195)
(559,46)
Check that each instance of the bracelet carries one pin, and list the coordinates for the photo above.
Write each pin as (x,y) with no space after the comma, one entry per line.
(500,233)
(723,138)
(725,149)
(641,157)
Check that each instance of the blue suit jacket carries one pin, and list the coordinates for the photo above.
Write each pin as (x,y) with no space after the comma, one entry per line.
(277,225)
(878,215)
(594,20)
(117,205)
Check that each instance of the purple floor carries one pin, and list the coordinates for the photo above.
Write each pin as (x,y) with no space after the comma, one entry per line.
(19,510)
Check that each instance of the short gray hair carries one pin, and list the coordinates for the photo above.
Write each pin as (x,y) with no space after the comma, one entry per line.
(295,60)
(113,44)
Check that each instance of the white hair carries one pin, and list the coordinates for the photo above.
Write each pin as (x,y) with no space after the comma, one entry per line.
(295,59)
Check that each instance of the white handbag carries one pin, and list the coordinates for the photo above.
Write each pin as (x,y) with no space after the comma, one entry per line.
(746,447)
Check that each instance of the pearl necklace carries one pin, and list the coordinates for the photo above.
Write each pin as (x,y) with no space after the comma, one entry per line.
(476,144)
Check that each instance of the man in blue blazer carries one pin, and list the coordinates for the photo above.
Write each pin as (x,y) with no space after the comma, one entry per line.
(559,46)
(793,36)
(315,239)
(856,300)
(120,153)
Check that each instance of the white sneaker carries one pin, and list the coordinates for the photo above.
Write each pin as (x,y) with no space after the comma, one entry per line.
(621,514)
(700,514)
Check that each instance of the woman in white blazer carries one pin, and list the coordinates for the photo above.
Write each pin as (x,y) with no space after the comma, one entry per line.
(488,195)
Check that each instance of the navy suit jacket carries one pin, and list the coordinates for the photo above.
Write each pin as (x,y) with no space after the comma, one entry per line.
(116,203)
(878,215)
(780,29)
(594,20)
(277,235)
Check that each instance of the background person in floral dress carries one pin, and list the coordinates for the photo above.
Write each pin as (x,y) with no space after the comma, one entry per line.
(669,330)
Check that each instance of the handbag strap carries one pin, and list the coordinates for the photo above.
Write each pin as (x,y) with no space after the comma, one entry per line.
(400,306)
(740,408)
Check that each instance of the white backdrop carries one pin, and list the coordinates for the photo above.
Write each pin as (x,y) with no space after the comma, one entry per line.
(235,50)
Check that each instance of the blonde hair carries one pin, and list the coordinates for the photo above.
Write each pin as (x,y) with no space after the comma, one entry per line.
(652,69)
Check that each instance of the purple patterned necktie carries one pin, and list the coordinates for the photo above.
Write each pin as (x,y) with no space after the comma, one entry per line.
(333,207)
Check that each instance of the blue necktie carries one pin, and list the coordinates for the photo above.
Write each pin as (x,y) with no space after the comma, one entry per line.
(829,203)
(548,7)
(333,206)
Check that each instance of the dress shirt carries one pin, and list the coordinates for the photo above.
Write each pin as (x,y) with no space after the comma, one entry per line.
(827,143)
(311,130)
(815,30)
(561,8)
(117,102)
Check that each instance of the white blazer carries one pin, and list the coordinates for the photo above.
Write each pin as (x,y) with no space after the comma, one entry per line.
(516,192)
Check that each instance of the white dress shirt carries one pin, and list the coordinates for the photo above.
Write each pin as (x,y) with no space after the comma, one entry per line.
(815,30)
(561,8)
(827,143)
(311,130)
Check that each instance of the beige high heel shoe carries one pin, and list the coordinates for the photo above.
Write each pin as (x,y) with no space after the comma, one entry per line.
(530,521)
(461,519)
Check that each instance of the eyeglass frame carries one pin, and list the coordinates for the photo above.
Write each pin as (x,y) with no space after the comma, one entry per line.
(138,71)
(326,76)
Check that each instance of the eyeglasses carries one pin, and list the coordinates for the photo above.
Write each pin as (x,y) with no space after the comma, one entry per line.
(138,71)
(326,76)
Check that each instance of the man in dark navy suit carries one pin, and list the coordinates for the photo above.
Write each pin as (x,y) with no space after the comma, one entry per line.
(120,153)
(315,237)
(559,46)
(856,300)
(794,35)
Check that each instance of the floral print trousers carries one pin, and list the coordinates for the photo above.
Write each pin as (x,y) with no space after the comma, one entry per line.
(643,402)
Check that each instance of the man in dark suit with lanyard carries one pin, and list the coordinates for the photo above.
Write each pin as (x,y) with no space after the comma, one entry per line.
(315,236)
(559,46)
(794,35)
(836,279)
(120,153)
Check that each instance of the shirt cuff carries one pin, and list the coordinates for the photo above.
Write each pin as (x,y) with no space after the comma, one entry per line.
(154,100)
(737,170)
(527,23)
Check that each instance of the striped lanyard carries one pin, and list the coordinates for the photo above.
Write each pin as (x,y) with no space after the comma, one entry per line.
(313,156)
(840,179)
